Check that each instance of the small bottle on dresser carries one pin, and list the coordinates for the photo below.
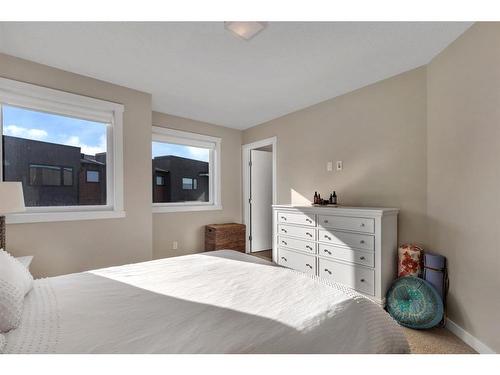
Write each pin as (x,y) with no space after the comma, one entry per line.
(334,198)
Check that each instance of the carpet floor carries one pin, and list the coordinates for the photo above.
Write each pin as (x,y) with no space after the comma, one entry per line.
(436,341)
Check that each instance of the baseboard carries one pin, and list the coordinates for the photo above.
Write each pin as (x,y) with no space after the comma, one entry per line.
(466,337)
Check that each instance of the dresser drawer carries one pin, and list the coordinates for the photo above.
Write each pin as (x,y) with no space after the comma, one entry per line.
(296,218)
(358,224)
(300,262)
(293,243)
(356,277)
(351,256)
(351,240)
(301,232)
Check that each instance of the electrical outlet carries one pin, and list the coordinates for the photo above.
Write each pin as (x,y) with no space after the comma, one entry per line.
(175,245)
(340,165)
(329,166)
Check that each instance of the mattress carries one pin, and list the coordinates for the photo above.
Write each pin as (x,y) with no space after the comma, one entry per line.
(215,302)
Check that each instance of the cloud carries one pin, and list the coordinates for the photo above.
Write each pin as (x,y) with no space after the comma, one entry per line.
(19,131)
(198,153)
(86,149)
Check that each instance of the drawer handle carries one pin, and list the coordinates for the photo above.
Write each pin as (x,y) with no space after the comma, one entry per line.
(362,224)
(309,220)
(362,280)
(284,242)
(362,258)
(309,234)
(283,218)
(362,241)
(309,247)
(308,265)
(326,221)
(284,230)
(327,270)
(328,237)
(284,259)
(327,251)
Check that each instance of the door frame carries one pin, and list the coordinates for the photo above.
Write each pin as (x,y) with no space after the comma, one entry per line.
(246,148)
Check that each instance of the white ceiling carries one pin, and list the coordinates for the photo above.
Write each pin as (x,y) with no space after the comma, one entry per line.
(201,71)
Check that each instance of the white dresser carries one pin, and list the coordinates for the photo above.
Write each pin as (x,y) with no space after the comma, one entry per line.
(355,246)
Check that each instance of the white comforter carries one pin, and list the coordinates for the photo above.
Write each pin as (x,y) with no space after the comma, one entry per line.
(218,302)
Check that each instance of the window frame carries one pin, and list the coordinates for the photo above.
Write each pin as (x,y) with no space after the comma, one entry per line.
(167,135)
(37,98)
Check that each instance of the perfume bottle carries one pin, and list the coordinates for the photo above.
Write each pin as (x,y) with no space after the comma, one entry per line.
(334,198)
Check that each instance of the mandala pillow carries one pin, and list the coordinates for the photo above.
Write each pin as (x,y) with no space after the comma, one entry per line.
(410,260)
(414,303)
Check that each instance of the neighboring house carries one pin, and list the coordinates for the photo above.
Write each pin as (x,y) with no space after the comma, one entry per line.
(54,174)
(177,179)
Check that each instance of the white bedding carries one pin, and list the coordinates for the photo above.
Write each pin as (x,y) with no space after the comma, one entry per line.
(217,302)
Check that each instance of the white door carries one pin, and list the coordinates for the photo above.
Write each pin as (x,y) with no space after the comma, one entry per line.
(261,199)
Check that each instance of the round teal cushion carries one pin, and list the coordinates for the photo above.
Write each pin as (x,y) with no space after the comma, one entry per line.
(414,303)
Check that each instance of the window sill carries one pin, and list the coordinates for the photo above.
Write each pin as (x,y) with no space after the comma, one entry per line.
(183,208)
(42,217)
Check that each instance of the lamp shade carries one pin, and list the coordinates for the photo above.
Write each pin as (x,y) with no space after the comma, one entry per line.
(11,197)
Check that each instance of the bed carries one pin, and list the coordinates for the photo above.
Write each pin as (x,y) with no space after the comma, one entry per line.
(214,302)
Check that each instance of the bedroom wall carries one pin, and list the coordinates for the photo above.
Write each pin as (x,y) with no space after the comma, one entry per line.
(187,228)
(464,176)
(379,132)
(65,247)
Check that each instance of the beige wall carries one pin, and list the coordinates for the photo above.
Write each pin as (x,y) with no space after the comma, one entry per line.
(379,132)
(463,187)
(64,247)
(188,227)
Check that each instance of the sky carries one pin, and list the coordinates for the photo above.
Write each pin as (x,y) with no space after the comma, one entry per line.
(88,135)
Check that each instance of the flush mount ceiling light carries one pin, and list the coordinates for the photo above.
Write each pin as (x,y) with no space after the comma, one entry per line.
(245,30)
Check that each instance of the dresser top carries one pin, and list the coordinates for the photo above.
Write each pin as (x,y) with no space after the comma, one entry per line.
(339,209)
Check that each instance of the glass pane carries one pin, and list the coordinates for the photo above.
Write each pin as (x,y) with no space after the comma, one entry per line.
(187,183)
(160,180)
(184,170)
(92,176)
(50,155)
(68,176)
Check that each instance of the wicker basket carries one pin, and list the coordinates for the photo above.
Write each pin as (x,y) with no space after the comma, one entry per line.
(229,236)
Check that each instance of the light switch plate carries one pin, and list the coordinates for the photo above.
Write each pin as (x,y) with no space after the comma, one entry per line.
(329,166)
(340,165)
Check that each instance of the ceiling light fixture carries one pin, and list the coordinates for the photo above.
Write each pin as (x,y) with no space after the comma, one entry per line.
(245,30)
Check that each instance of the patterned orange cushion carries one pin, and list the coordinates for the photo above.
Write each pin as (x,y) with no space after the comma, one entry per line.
(410,260)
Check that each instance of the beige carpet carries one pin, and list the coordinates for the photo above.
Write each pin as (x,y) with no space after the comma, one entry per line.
(436,341)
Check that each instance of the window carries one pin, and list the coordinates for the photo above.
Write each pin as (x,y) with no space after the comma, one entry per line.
(189,166)
(93,176)
(187,183)
(50,139)
(48,175)
(160,180)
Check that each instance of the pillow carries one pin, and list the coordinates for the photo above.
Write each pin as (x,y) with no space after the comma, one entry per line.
(13,271)
(25,261)
(15,283)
